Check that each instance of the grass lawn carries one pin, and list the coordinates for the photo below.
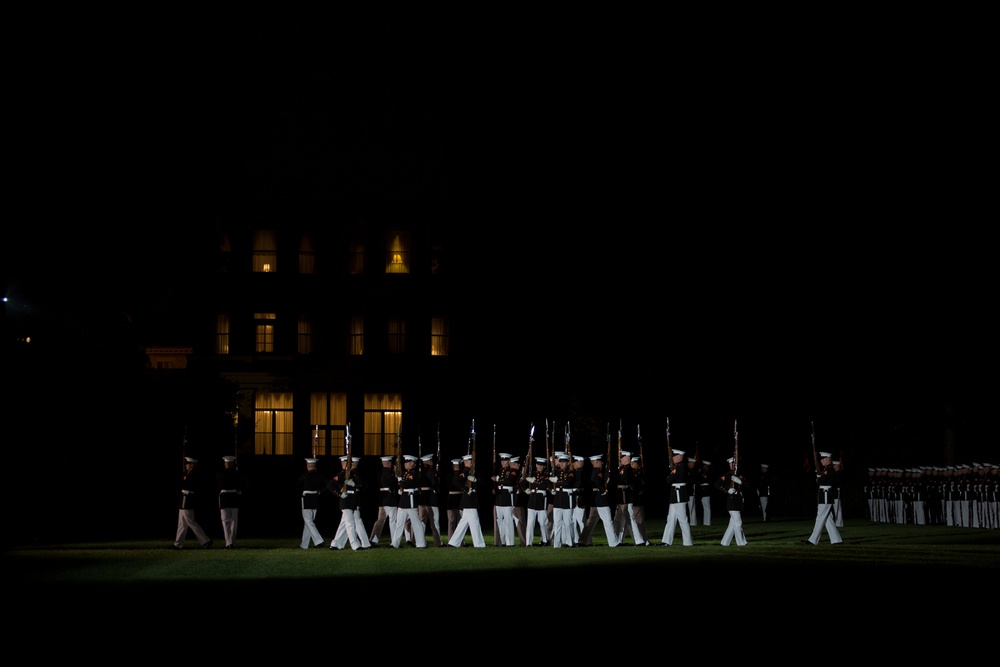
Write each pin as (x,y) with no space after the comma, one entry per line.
(774,573)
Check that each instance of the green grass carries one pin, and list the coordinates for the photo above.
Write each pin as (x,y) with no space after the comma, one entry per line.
(272,590)
(775,544)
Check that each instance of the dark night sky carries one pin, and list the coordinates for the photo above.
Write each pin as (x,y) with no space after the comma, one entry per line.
(805,214)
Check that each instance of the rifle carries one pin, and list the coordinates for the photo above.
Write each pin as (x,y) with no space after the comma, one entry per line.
(347,466)
(670,451)
(604,484)
(184,447)
(566,439)
(736,455)
(815,456)
(548,446)
(472,451)
(399,449)
(315,439)
(638,436)
(437,465)
(527,459)
(496,463)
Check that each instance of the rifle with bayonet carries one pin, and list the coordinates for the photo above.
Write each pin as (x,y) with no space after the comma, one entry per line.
(815,455)
(670,451)
(528,462)
(638,437)
(498,469)
(399,450)
(471,477)
(607,466)
(619,443)
(566,440)
(549,454)
(736,456)
(348,467)
(437,463)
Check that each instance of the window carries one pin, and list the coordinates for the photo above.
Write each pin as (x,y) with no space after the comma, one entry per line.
(397,256)
(273,423)
(222,334)
(437,257)
(265,251)
(328,414)
(383,415)
(397,335)
(307,256)
(305,336)
(356,258)
(265,331)
(357,334)
(439,337)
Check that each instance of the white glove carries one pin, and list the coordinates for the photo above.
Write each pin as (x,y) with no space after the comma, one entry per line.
(494,478)
(399,479)
(553,479)
(737,480)
(731,492)
(471,478)
(531,480)
(350,482)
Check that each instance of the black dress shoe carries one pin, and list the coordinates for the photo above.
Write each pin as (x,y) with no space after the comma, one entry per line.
(807,542)
(207,545)
(177,548)
(333,548)
(230,546)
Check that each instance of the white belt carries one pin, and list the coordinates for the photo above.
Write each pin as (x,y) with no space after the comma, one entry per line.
(454,493)
(426,488)
(826,488)
(408,490)
(186,492)
(508,488)
(348,493)
(385,488)
(567,490)
(677,486)
(229,491)
(309,493)
(539,491)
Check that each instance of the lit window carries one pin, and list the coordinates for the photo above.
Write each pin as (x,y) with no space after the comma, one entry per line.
(265,331)
(273,421)
(222,334)
(328,415)
(398,253)
(357,334)
(265,251)
(439,337)
(383,415)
